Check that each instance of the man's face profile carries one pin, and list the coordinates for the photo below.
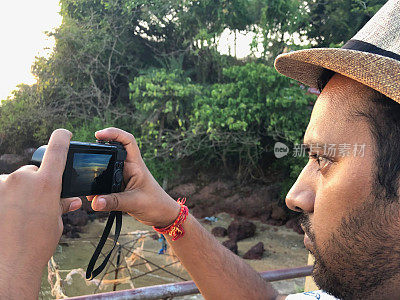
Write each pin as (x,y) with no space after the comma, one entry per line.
(352,234)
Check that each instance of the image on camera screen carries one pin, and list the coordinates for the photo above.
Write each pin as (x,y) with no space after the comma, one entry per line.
(91,173)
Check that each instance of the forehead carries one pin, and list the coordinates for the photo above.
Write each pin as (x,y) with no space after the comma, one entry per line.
(334,117)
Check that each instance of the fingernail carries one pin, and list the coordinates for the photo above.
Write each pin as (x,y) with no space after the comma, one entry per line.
(74,205)
(100,203)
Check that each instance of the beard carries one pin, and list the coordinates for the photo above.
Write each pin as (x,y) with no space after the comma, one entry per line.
(362,256)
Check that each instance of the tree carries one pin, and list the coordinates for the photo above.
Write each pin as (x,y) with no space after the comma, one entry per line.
(335,22)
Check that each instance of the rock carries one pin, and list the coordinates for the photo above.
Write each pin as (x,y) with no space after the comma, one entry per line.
(77,218)
(200,212)
(252,202)
(241,229)
(231,245)
(222,188)
(265,217)
(72,235)
(183,190)
(294,224)
(11,162)
(219,231)
(275,222)
(67,228)
(212,194)
(255,252)
(278,213)
(71,231)
(28,152)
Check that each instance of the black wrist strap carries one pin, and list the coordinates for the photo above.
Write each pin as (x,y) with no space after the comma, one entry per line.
(90,273)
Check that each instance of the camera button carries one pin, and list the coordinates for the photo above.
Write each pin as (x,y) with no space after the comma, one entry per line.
(118,176)
(115,188)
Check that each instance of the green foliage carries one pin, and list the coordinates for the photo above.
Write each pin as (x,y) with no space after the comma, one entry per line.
(254,106)
(279,22)
(23,121)
(163,101)
(223,124)
(338,21)
(83,130)
(153,68)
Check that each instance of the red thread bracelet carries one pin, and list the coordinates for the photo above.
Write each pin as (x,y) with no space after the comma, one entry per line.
(175,230)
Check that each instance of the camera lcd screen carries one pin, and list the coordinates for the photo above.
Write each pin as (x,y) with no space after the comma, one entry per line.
(91,173)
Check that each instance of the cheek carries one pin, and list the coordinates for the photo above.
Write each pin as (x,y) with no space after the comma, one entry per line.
(345,187)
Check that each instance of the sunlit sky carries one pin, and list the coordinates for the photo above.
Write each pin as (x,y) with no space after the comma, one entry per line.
(22,27)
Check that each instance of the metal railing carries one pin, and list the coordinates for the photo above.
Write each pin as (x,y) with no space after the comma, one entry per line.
(187,287)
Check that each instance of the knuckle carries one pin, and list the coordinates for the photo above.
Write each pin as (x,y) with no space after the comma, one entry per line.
(114,202)
(16,177)
(64,206)
(132,137)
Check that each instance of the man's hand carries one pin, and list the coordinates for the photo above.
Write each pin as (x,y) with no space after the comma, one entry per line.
(218,273)
(30,218)
(143,197)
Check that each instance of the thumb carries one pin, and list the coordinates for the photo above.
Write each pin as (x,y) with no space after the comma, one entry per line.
(115,201)
(70,204)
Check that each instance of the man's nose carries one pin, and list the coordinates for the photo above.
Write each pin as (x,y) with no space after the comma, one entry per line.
(300,198)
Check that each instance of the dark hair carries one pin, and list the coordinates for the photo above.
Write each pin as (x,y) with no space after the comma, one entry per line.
(383,117)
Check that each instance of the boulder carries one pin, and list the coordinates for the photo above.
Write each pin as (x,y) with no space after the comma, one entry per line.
(72,234)
(213,193)
(241,229)
(71,231)
(278,213)
(294,224)
(219,231)
(251,202)
(201,211)
(28,152)
(231,245)
(183,190)
(11,162)
(77,218)
(255,252)
(275,222)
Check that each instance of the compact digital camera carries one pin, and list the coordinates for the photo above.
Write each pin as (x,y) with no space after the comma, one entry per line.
(91,168)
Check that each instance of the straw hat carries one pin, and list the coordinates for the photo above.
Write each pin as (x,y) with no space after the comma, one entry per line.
(371,57)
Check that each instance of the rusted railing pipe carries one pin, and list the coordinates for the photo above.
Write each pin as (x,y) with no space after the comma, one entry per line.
(187,287)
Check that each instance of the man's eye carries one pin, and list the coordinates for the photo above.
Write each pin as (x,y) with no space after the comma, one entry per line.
(321,160)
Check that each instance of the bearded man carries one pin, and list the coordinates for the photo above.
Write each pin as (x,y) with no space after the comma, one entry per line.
(350,204)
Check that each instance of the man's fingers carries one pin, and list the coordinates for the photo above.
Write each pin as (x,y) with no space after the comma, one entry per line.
(116,201)
(54,159)
(70,204)
(126,138)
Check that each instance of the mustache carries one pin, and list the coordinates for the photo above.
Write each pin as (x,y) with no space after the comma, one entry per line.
(305,223)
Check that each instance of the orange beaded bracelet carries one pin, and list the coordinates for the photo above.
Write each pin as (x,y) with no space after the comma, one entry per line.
(175,230)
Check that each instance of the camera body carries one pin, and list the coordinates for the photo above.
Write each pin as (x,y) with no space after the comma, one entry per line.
(91,168)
